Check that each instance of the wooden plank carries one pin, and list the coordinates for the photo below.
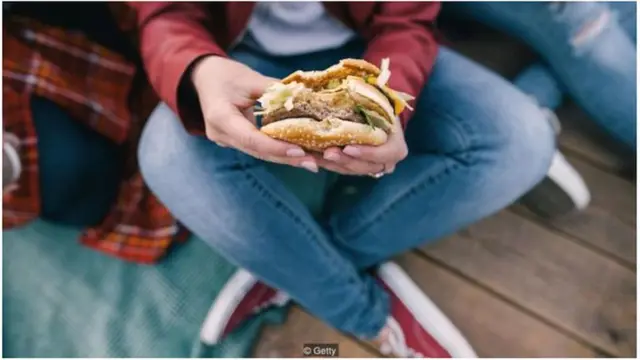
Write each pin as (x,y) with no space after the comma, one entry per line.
(609,223)
(488,48)
(568,285)
(286,341)
(494,327)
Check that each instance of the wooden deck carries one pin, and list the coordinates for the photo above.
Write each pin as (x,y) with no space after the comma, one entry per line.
(517,285)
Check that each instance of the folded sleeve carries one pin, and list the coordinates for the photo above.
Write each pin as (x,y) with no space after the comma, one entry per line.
(172,37)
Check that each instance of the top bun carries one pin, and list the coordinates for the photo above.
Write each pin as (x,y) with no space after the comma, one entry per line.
(345,68)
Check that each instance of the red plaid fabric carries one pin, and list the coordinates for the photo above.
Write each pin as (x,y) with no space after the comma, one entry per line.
(106,92)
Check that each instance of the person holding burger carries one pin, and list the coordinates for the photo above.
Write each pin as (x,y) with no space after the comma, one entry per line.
(323,93)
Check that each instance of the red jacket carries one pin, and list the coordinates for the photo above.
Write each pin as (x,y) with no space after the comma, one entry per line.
(174,34)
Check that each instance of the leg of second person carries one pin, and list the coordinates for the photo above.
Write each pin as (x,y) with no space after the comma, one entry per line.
(586,48)
(538,81)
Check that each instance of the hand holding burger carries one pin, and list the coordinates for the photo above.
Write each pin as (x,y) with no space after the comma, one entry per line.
(346,112)
(227,91)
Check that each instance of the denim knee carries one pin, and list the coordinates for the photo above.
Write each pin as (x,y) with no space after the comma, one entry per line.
(166,148)
(526,142)
(155,149)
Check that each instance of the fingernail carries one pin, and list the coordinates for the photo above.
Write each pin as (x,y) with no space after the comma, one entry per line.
(310,165)
(351,151)
(332,156)
(295,152)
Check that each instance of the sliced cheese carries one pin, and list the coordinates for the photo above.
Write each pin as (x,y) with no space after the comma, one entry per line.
(371,92)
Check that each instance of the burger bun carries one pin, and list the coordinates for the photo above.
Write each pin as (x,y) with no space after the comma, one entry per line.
(317,135)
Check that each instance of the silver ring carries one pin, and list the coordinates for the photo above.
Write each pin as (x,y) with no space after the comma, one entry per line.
(380,173)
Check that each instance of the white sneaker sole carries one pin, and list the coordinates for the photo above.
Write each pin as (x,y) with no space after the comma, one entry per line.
(220,311)
(227,301)
(562,191)
(425,311)
(568,178)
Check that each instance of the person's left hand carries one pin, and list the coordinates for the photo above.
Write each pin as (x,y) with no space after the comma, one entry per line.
(366,160)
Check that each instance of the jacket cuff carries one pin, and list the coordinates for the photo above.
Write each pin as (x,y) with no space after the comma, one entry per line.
(187,102)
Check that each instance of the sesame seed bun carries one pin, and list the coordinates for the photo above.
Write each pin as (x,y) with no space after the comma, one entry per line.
(318,135)
(346,67)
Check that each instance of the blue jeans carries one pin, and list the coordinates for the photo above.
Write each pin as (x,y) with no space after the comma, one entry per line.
(472,152)
(79,168)
(588,49)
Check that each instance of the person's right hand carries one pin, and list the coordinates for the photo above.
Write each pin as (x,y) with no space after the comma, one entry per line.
(227,90)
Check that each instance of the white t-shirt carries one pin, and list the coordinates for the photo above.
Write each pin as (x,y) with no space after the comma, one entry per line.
(292,28)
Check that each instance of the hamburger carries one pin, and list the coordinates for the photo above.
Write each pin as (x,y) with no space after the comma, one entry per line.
(348,103)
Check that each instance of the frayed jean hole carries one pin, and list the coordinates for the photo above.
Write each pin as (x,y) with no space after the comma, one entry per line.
(592,29)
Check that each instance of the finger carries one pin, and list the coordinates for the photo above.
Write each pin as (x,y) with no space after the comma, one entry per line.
(214,135)
(355,165)
(389,168)
(306,162)
(249,115)
(246,137)
(331,166)
(390,152)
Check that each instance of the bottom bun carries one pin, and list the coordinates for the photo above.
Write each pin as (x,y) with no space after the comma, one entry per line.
(319,135)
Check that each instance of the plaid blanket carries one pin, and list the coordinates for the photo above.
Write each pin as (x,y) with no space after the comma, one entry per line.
(108,93)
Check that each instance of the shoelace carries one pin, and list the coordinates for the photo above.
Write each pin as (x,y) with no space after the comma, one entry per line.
(395,343)
(414,353)
(279,299)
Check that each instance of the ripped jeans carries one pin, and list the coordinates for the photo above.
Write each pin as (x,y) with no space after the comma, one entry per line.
(588,49)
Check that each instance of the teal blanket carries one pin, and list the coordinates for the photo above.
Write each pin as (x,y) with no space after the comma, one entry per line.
(64,300)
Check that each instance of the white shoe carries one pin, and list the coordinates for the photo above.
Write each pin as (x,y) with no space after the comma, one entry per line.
(562,191)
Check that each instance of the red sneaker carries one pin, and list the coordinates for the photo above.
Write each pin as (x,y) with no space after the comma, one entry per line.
(241,297)
(416,327)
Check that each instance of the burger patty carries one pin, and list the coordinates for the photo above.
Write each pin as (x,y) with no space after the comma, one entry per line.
(318,108)
(315,113)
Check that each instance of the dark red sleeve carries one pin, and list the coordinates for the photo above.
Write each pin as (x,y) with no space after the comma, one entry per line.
(404,32)
(173,35)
